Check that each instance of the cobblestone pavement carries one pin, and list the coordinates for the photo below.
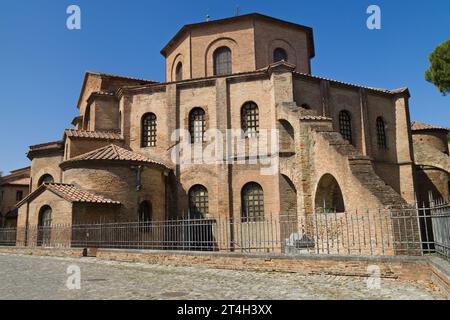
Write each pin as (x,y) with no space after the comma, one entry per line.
(30,277)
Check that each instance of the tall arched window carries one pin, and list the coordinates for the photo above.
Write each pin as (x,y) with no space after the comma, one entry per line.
(87,118)
(148,138)
(280,54)
(252,202)
(381,134)
(250,119)
(179,72)
(197,125)
(44,226)
(198,202)
(46,178)
(345,125)
(145,211)
(222,61)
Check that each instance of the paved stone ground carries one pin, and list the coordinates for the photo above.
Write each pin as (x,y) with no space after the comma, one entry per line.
(29,277)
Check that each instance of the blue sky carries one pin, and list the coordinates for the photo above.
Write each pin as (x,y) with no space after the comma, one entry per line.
(42,63)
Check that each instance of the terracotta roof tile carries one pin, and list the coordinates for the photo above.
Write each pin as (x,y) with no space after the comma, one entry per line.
(105,135)
(70,193)
(113,152)
(19,182)
(48,145)
(417,126)
(74,194)
(352,84)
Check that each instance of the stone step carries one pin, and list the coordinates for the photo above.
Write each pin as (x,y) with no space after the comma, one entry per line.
(361,167)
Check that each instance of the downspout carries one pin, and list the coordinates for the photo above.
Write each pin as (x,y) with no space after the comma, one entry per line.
(26,224)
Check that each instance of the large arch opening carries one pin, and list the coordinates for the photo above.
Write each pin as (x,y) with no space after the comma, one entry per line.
(329,195)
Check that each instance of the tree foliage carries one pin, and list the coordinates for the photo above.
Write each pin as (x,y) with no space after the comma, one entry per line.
(439,71)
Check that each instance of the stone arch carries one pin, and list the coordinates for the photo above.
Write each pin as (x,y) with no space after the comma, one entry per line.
(329,196)
(213,46)
(286,46)
(286,136)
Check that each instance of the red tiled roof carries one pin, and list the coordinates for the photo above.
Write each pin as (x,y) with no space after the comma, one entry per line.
(395,91)
(48,145)
(19,182)
(417,126)
(70,193)
(116,153)
(106,135)
(73,194)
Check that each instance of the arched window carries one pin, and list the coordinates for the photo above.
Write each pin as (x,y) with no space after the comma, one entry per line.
(345,125)
(145,211)
(148,138)
(197,124)
(44,226)
(120,120)
(46,178)
(87,118)
(381,134)
(198,202)
(222,61)
(250,119)
(179,72)
(279,54)
(252,202)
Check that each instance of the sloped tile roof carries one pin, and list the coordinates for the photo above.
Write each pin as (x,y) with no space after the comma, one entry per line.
(104,135)
(417,126)
(113,152)
(70,193)
(306,75)
(74,194)
(19,182)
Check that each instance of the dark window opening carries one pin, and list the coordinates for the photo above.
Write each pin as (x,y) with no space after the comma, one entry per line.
(252,203)
(250,119)
(19,195)
(222,61)
(345,125)
(381,134)
(179,72)
(197,125)
(198,202)
(306,106)
(148,130)
(280,54)
(46,178)
(145,212)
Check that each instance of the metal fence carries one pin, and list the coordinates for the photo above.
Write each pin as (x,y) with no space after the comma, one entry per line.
(406,231)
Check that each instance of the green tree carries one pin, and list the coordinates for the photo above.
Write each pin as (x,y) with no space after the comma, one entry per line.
(439,71)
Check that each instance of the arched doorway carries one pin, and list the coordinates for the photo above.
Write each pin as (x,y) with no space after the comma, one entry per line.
(329,195)
(44,226)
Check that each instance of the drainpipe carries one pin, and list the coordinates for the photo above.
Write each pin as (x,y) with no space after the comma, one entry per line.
(26,224)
